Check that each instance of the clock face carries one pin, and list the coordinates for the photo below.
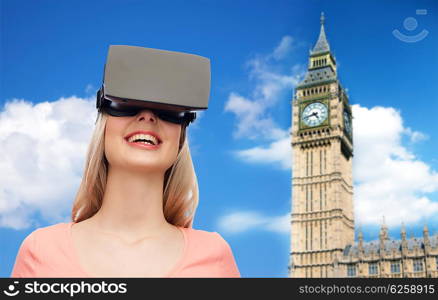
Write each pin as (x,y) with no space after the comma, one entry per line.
(347,122)
(314,114)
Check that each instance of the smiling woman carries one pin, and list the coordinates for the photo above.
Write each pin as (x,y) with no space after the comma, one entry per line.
(134,210)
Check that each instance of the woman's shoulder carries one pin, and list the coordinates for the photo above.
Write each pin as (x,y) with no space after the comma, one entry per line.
(207,241)
(209,255)
(46,233)
(42,245)
(51,231)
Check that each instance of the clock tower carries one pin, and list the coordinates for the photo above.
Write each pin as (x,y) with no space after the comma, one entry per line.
(322,217)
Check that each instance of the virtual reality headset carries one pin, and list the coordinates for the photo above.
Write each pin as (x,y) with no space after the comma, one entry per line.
(172,84)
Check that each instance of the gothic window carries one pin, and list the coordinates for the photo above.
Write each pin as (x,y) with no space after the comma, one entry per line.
(311,236)
(320,197)
(311,163)
(373,269)
(307,238)
(395,267)
(351,270)
(418,265)
(320,162)
(311,198)
(325,160)
(307,163)
(320,237)
(307,198)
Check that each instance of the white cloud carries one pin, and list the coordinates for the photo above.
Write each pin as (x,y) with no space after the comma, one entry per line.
(251,124)
(239,222)
(253,120)
(283,49)
(90,89)
(278,153)
(43,148)
(252,113)
(415,136)
(389,180)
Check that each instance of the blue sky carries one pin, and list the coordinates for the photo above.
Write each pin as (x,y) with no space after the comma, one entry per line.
(54,50)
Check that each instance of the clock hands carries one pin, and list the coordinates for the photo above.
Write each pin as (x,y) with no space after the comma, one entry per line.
(315,113)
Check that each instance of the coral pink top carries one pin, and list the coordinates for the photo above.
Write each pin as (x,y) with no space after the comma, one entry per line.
(49,252)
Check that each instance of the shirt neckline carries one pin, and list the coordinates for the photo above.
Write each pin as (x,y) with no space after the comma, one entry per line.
(170,273)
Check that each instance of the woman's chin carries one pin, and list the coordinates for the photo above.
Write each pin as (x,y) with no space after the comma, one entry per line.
(145,166)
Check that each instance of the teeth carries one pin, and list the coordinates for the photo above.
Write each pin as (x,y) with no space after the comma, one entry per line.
(145,138)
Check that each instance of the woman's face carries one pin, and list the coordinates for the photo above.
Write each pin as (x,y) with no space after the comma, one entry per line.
(142,142)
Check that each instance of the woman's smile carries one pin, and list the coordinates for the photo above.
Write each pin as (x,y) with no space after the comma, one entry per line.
(143,145)
(144,140)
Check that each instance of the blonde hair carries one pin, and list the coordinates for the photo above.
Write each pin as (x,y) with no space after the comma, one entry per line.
(180,190)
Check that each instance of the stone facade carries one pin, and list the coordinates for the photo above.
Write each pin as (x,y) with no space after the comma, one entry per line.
(407,257)
(322,220)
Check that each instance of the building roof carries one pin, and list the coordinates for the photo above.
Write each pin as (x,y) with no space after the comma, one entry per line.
(390,245)
(317,76)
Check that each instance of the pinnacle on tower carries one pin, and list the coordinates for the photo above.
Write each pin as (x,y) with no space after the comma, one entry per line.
(384,230)
(425,229)
(322,44)
(403,230)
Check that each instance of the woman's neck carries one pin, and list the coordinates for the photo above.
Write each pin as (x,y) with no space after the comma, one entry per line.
(132,204)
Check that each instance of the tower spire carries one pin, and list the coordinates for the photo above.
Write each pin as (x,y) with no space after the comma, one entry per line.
(322,44)
(384,230)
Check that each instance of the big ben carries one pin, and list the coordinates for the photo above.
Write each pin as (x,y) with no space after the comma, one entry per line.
(322,217)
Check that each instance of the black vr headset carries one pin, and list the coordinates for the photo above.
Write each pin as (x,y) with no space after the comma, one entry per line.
(171,84)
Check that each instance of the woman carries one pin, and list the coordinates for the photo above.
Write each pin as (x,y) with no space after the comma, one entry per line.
(133,214)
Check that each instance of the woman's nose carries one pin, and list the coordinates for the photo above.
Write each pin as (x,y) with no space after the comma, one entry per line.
(146,115)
